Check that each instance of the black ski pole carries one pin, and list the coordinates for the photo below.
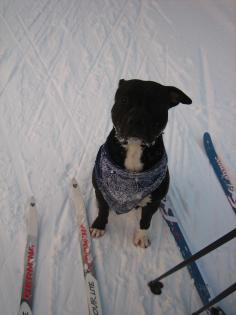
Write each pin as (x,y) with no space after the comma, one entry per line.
(218,298)
(156,285)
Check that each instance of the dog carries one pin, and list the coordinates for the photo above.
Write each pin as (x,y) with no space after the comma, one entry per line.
(131,169)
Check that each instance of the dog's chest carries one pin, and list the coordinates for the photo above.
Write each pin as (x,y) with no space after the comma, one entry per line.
(134,153)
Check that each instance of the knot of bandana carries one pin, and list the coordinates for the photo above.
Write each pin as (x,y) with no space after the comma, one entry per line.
(122,189)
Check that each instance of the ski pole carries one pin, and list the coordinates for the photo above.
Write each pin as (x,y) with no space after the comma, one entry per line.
(216,311)
(156,285)
(218,298)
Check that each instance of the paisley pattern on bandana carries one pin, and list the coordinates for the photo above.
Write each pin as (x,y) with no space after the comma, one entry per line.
(122,189)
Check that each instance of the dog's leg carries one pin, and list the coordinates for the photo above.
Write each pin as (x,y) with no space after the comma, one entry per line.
(98,227)
(141,238)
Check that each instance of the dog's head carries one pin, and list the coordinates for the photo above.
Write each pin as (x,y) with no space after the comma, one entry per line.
(141,109)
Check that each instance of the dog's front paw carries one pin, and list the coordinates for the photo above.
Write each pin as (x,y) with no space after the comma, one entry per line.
(96,233)
(141,239)
(98,228)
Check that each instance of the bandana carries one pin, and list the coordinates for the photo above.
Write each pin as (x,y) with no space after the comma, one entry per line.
(122,189)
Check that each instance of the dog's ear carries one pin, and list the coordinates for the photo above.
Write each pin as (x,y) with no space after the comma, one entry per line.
(121,82)
(176,96)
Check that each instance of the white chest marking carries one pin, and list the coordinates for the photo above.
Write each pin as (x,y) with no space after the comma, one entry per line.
(133,156)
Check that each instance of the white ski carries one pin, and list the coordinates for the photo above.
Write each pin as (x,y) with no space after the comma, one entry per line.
(26,303)
(94,304)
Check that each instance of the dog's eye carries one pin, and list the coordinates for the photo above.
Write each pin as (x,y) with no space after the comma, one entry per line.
(124,100)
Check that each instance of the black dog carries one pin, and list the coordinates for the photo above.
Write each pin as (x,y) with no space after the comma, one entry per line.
(131,167)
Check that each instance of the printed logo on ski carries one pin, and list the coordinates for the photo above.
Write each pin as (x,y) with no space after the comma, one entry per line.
(93,306)
(25,309)
(85,247)
(232,198)
(223,170)
(27,293)
(232,201)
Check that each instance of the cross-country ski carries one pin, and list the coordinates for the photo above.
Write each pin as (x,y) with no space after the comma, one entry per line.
(220,170)
(27,294)
(94,304)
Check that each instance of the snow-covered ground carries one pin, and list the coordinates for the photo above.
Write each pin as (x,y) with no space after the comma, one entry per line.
(60,63)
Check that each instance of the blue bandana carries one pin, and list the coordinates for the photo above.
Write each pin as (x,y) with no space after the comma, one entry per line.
(122,189)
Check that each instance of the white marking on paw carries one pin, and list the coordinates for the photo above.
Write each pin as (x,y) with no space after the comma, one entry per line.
(95,233)
(133,155)
(141,239)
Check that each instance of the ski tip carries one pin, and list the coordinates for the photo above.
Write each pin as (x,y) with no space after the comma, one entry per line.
(74,183)
(206,136)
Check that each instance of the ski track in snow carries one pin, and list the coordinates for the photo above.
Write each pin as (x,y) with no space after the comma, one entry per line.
(60,63)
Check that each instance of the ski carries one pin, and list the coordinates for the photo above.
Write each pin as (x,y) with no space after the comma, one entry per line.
(220,170)
(201,286)
(94,304)
(27,294)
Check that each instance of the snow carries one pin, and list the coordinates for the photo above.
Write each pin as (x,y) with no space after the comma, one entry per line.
(60,63)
